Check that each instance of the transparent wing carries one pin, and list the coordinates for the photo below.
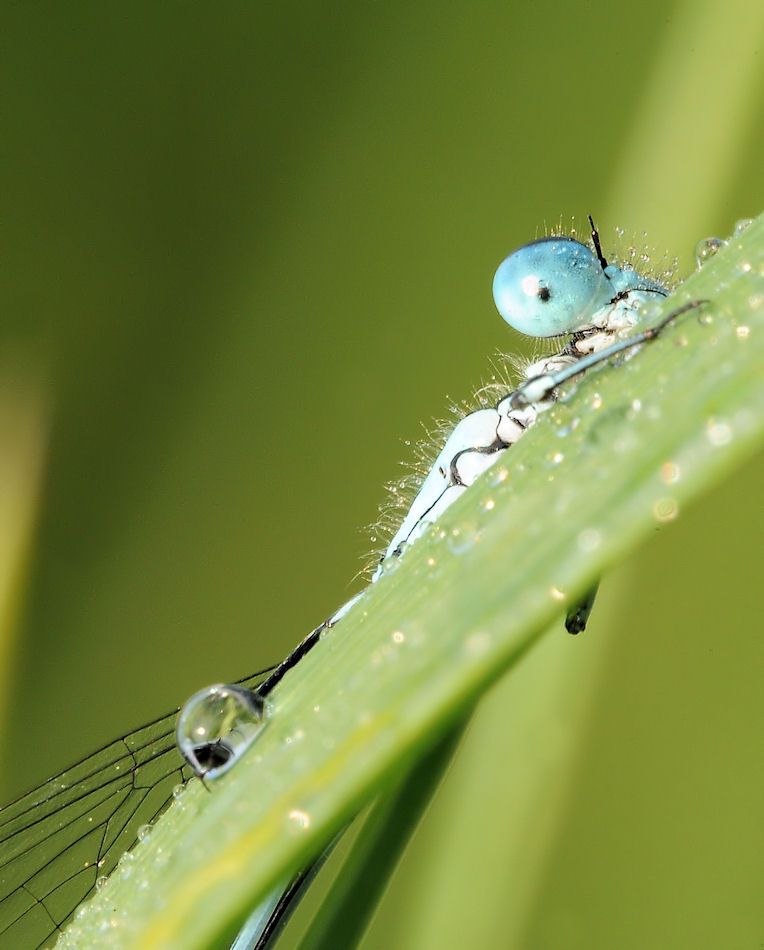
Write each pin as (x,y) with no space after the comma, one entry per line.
(59,839)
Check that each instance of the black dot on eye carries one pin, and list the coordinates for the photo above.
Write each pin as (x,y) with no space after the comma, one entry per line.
(544,293)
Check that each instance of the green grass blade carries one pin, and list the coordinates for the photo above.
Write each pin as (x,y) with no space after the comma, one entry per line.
(626,448)
(349,905)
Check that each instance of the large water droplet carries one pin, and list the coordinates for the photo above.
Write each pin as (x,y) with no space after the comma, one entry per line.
(706,249)
(216,725)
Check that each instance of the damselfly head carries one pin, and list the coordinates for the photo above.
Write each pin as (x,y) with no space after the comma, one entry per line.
(550,287)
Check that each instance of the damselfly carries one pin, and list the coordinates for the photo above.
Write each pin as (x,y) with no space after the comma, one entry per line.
(59,840)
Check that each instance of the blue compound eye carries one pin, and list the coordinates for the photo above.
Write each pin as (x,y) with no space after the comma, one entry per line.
(550,287)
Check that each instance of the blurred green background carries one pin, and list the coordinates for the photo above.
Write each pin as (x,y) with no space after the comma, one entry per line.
(249,248)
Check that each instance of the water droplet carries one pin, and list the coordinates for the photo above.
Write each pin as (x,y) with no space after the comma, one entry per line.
(143,832)
(458,542)
(635,408)
(666,509)
(101,881)
(670,473)
(398,637)
(706,249)
(499,475)
(126,864)
(742,332)
(596,401)
(718,432)
(742,225)
(556,594)
(489,504)
(552,459)
(755,301)
(431,561)
(477,643)
(589,540)
(745,266)
(178,792)
(298,820)
(570,427)
(110,925)
(391,564)
(216,725)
